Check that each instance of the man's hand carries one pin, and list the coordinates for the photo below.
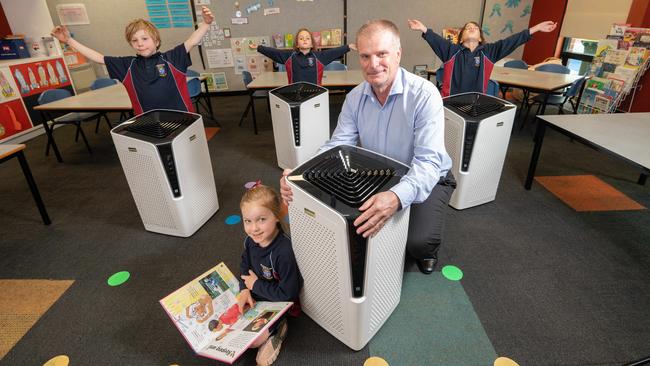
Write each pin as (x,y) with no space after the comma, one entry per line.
(61,33)
(285,190)
(245,298)
(416,25)
(376,211)
(250,279)
(208,18)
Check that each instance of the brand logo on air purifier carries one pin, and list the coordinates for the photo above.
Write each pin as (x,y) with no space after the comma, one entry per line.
(310,212)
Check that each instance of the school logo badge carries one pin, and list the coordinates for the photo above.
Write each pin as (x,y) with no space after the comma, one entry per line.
(310,61)
(477,61)
(162,70)
(267,272)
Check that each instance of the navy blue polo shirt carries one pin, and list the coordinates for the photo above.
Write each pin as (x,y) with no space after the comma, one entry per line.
(154,82)
(467,71)
(304,67)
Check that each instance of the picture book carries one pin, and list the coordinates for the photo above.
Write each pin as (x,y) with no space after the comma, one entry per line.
(336,37)
(278,40)
(604,45)
(588,98)
(618,29)
(206,312)
(633,34)
(643,40)
(325,37)
(627,74)
(636,56)
(288,40)
(616,86)
(602,104)
(597,83)
(617,57)
(316,39)
(451,34)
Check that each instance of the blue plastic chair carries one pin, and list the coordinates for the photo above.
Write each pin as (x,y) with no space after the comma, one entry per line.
(572,95)
(103,83)
(194,89)
(52,95)
(191,73)
(516,64)
(493,88)
(254,94)
(282,68)
(336,66)
(558,69)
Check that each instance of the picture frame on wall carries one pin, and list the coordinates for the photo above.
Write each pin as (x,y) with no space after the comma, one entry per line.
(226,32)
(420,70)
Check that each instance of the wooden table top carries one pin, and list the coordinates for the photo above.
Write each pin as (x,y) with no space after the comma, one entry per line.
(271,80)
(7,150)
(531,79)
(110,98)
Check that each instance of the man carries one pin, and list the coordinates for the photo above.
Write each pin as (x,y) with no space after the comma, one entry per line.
(400,115)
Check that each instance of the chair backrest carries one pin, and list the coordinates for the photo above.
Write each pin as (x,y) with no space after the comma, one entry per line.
(493,88)
(440,74)
(247,77)
(192,73)
(194,87)
(575,87)
(281,67)
(336,65)
(102,83)
(559,69)
(52,95)
(516,64)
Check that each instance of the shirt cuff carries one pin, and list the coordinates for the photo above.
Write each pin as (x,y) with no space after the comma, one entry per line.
(403,192)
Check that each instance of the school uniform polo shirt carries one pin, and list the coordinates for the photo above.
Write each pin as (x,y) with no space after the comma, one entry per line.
(154,82)
(467,71)
(304,67)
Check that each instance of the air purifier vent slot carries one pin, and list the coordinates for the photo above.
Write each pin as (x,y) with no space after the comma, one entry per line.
(476,109)
(350,184)
(151,125)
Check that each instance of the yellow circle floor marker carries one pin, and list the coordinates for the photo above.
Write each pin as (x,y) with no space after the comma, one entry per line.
(375,361)
(504,361)
(60,360)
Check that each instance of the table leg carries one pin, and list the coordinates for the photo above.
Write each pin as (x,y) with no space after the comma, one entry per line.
(32,186)
(643,177)
(539,139)
(50,137)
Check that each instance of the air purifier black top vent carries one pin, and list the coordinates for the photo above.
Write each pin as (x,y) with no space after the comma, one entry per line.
(474,104)
(348,175)
(160,124)
(298,92)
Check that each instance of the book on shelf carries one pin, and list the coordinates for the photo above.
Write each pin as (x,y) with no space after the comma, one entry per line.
(643,40)
(336,37)
(288,40)
(316,39)
(598,83)
(616,57)
(636,56)
(325,37)
(451,34)
(206,312)
(618,29)
(602,104)
(604,45)
(278,40)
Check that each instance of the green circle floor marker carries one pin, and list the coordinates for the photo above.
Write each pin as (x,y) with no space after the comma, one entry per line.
(118,278)
(452,273)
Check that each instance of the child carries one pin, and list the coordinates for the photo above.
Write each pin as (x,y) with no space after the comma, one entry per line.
(269,269)
(152,79)
(302,63)
(469,63)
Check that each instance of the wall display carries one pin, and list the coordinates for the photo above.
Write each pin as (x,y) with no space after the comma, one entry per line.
(72,14)
(220,57)
(503,18)
(271,11)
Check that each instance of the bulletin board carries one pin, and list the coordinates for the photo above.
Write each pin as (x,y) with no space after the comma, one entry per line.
(503,18)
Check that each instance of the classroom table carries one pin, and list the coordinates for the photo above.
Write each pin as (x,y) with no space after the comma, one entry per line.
(8,152)
(112,98)
(347,79)
(533,81)
(624,135)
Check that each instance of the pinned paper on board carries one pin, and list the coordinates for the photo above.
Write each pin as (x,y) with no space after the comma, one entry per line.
(72,14)
(271,11)
(220,57)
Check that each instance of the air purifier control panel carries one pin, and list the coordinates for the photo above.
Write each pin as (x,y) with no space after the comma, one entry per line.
(167,159)
(295,122)
(470,135)
(358,250)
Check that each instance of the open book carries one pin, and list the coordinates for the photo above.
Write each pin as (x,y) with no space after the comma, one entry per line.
(206,313)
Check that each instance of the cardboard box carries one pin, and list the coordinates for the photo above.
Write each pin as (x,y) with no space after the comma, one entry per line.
(13,48)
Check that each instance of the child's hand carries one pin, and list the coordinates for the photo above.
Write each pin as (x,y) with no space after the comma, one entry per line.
(353,46)
(250,279)
(245,298)
(61,33)
(252,46)
(208,18)
(416,25)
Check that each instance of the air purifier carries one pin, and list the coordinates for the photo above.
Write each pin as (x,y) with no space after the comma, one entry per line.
(351,284)
(301,122)
(477,132)
(166,161)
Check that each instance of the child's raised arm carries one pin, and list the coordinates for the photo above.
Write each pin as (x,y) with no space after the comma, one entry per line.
(198,34)
(63,35)
(416,25)
(547,26)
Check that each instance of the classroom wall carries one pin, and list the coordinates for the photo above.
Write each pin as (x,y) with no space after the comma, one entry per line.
(592,19)
(543,45)
(28,17)
(4,24)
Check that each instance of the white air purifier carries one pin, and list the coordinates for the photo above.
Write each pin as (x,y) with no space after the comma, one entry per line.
(477,132)
(166,161)
(351,284)
(301,122)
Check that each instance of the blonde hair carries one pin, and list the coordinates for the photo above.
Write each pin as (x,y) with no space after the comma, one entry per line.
(266,197)
(379,25)
(295,40)
(142,24)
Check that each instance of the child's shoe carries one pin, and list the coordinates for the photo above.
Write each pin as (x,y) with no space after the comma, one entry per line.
(269,351)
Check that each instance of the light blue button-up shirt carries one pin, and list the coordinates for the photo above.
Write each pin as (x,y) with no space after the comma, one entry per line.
(409,128)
